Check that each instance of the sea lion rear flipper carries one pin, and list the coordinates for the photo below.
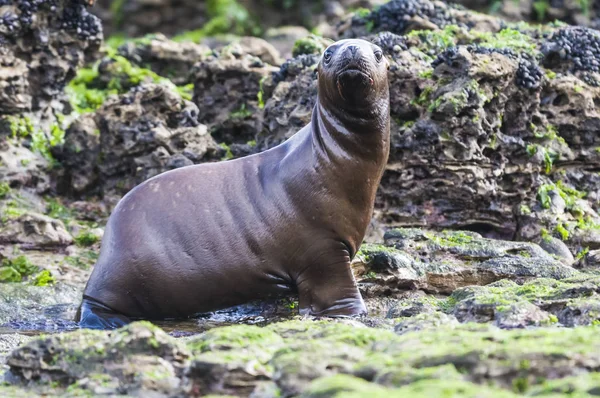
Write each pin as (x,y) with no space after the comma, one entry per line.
(330,292)
(95,315)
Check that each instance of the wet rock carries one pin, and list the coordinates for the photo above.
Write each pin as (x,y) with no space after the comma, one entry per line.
(8,343)
(226,90)
(583,311)
(421,322)
(23,303)
(345,385)
(143,357)
(286,357)
(33,230)
(442,262)
(131,138)
(570,302)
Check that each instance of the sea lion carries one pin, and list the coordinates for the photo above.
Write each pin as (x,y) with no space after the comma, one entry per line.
(215,235)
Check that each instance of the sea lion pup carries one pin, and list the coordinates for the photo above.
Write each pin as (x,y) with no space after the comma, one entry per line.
(215,235)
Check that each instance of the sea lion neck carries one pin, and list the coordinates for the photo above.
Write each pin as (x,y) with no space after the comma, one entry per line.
(359,132)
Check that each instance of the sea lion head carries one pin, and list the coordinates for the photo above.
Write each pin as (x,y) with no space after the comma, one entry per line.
(353,74)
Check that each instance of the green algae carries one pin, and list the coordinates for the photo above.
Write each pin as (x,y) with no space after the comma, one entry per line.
(439,40)
(451,238)
(312,44)
(17,269)
(4,190)
(87,91)
(339,386)
(21,126)
(241,113)
(234,337)
(44,278)
(367,250)
(55,209)
(436,362)
(507,38)
(226,16)
(86,238)
(570,195)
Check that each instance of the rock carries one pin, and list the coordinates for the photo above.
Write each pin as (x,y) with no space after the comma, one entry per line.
(590,260)
(306,357)
(261,49)
(292,94)
(140,353)
(136,18)
(570,302)
(33,230)
(131,138)
(425,321)
(558,248)
(20,167)
(442,262)
(403,16)
(571,12)
(226,90)
(344,385)
(168,58)
(31,78)
(283,38)
(24,306)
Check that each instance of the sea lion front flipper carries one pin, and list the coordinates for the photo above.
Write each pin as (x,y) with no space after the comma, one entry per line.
(330,291)
(95,315)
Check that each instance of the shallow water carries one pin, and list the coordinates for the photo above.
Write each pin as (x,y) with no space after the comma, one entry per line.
(59,318)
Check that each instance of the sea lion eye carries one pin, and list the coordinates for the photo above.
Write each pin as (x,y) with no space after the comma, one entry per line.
(327,56)
(378,56)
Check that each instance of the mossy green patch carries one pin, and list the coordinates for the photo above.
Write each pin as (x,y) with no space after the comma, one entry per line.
(87,92)
(55,209)
(241,113)
(43,278)
(86,238)
(226,16)
(16,269)
(228,153)
(9,274)
(4,190)
(507,38)
(450,238)
(84,261)
(367,250)
(312,44)
(439,40)
(21,126)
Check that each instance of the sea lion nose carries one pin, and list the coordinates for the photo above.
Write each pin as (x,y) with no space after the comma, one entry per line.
(352,50)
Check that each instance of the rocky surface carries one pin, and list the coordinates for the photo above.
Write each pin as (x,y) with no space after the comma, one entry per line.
(131,138)
(443,262)
(482,269)
(43,44)
(137,18)
(311,358)
(570,11)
